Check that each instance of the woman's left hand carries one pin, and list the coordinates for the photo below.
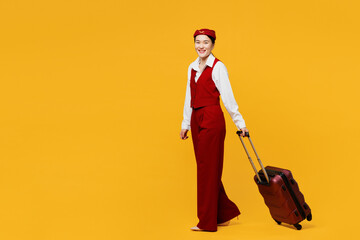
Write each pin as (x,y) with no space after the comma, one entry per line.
(243,131)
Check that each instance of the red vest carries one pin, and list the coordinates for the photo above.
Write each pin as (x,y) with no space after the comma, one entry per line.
(204,91)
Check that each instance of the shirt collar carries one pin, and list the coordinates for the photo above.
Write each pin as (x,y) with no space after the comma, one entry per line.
(209,62)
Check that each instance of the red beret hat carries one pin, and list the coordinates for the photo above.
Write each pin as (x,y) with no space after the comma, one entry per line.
(205,31)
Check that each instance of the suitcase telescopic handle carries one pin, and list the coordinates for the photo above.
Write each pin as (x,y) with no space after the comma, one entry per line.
(257,156)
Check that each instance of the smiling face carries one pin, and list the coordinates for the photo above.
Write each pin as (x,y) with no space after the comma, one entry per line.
(203,46)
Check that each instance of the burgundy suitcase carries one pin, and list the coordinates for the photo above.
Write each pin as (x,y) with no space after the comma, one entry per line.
(280,191)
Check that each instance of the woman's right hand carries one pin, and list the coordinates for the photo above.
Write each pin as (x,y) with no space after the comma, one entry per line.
(183,134)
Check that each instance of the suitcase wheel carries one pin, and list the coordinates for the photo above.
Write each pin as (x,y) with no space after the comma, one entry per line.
(278,222)
(298,226)
(309,217)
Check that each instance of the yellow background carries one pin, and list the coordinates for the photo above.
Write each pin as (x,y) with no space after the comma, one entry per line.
(92,95)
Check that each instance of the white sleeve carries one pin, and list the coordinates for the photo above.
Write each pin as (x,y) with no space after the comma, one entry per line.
(187,108)
(222,82)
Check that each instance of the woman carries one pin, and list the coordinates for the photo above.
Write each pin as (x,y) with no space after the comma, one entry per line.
(207,80)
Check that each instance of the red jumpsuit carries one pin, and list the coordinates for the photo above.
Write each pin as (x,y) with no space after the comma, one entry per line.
(208,135)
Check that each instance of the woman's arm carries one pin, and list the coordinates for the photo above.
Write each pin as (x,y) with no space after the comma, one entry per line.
(222,82)
(185,125)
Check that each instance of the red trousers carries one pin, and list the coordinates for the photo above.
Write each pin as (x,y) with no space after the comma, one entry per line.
(208,135)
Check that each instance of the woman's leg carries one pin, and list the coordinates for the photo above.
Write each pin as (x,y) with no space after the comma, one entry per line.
(208,147)
(226,208)
(208,143)
(208,133)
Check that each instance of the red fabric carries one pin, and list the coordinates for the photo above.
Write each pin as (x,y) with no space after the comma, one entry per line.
(204,91)
(208,135)
(205,31)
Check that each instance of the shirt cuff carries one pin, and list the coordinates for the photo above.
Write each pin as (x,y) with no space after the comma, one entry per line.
(240,125)
(185,126)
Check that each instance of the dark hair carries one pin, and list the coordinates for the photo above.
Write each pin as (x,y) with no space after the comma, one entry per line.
(211,38)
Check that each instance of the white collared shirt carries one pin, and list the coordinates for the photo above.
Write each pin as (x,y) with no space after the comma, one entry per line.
(221,79)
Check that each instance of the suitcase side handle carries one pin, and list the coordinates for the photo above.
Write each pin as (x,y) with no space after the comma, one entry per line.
(257,156)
